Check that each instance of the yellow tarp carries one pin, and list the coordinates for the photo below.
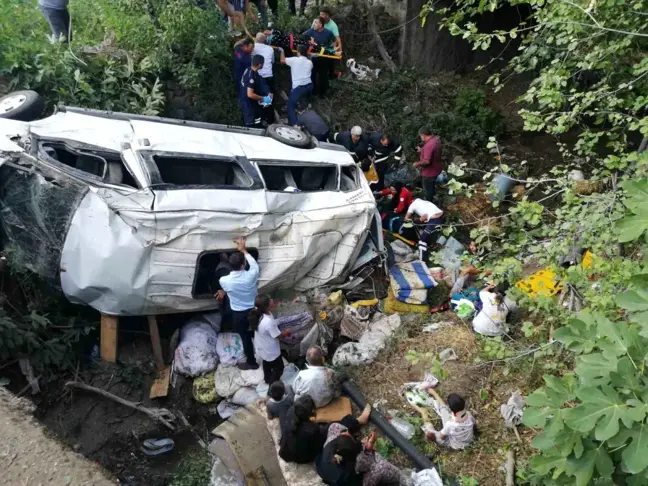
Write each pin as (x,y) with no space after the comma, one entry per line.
(393,306)
(545,282)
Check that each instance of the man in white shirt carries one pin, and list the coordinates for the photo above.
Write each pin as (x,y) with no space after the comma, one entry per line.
(301,70)
(430,215)
(322,384)
(263,49)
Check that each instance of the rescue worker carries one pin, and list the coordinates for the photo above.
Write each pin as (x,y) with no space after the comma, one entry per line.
(355,142)
(242,58)
(254,97)
(313,123)
(383,147)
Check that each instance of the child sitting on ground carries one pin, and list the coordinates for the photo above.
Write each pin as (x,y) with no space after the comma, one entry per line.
(458,424)
(280,399)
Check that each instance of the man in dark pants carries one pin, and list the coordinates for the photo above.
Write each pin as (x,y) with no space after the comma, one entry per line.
(383,147)
(313,123)
(57,16)
(302,7)
(321,65)
(240,286)
(254,91)
(430,163)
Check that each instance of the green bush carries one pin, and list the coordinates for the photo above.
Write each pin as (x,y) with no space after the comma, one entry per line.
(102,81)
(193,470)
(154,43)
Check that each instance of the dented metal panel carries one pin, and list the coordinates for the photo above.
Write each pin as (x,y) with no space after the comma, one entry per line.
(130,251)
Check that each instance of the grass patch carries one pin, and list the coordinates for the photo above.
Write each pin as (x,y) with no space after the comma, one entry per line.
(193,470)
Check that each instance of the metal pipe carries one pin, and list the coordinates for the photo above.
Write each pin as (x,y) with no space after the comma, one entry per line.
(421,461)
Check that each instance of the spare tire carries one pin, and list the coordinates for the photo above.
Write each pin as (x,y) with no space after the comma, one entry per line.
(289,135)
(22,105)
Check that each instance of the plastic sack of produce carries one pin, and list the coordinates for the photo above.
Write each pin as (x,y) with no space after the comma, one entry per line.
(229,348)
(196,353)
(204,388)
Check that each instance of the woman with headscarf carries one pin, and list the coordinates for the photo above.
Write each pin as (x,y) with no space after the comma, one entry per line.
(301,438)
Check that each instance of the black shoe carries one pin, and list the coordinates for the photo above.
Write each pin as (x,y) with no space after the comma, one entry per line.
(248,366)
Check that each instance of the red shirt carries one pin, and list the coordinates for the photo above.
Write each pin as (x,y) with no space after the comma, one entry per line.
(430,162)
(404,199)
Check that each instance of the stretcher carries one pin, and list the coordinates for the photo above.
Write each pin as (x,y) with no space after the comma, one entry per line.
(321,52)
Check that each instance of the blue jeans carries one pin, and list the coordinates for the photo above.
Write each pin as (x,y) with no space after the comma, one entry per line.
(59,22)
(295,95)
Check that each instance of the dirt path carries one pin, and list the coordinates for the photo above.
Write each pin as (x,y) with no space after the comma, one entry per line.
(29,457)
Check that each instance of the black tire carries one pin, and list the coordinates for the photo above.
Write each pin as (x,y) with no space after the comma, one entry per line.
(22,105)
(290,135)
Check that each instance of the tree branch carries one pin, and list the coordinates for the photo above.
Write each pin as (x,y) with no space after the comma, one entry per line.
(161,415)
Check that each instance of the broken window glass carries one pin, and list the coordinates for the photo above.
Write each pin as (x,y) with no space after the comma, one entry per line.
(305,178)
(106,166)
(350,178)
(199,171)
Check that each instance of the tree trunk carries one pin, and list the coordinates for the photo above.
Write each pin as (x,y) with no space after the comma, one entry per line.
(433,50)
(428,48)
(373,29)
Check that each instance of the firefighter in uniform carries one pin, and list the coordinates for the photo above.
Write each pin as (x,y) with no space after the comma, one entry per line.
(383,148)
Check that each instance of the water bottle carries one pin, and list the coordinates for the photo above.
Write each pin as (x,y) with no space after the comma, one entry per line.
(403,427)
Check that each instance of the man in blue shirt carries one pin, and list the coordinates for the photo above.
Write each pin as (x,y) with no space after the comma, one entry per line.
(254,96)
(321,65)
(241,289)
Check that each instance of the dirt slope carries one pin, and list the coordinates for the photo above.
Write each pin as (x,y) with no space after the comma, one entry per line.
(28,457)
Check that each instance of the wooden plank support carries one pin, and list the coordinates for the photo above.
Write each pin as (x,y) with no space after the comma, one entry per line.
(108,339)
(160,387)
(155,342)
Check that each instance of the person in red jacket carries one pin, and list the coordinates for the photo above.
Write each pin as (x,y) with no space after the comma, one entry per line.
(393,203)
(430,163)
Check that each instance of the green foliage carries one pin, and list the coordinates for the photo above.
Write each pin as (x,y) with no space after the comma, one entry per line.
(148,48)
(402,103)
(633,226)
(593,420)
(430,360)
(466,480)
(193,470)
(48,347)
(587,62)
(102,81)
(384,447)
(494,348)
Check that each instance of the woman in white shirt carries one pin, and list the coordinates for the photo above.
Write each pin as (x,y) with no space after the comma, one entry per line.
(491,320)
(266,338)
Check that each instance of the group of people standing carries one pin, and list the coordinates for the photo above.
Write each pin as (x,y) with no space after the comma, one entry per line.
(309,57)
